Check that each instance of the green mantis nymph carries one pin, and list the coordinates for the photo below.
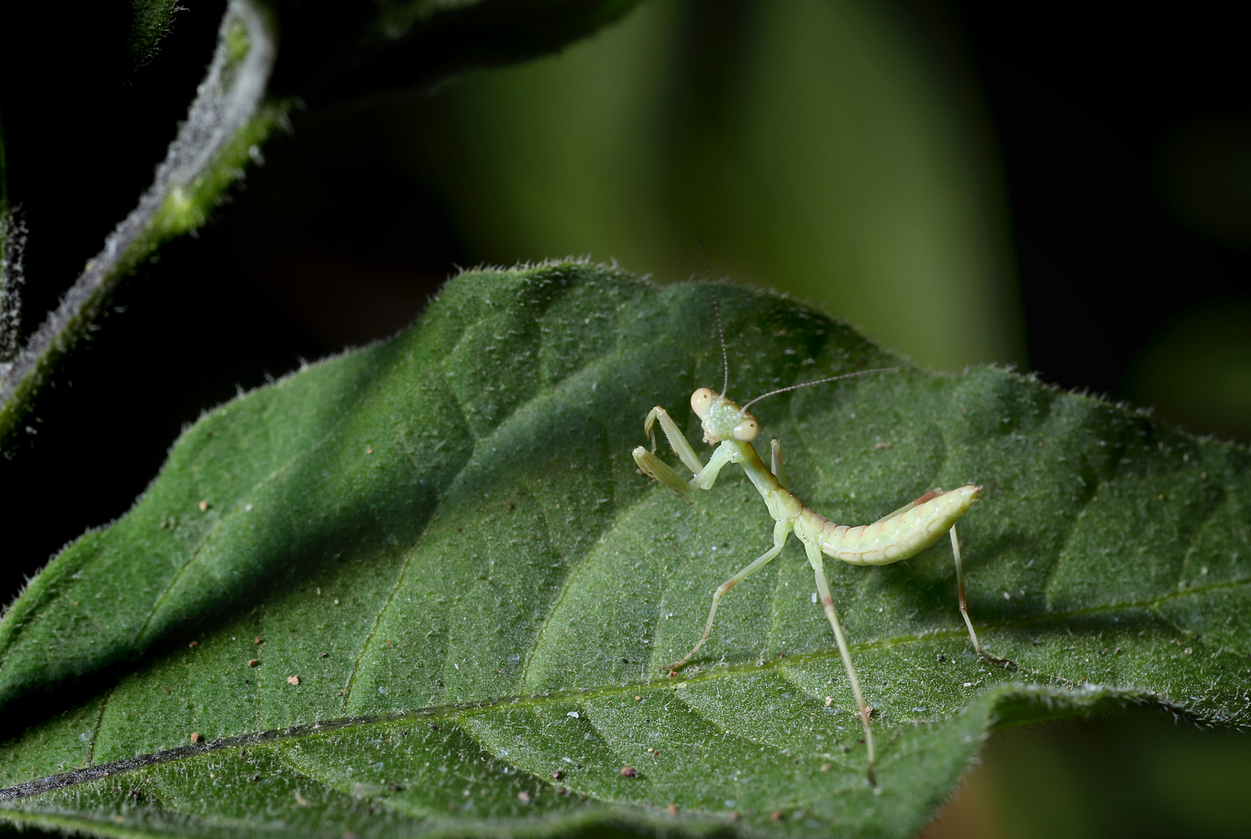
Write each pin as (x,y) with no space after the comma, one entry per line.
(897,536)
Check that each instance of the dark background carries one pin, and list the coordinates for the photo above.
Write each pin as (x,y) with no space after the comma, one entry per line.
(1126,140)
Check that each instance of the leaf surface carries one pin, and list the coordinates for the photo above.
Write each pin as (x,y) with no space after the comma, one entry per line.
(420,588)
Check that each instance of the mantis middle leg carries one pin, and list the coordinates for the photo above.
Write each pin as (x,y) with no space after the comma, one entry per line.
(780,531)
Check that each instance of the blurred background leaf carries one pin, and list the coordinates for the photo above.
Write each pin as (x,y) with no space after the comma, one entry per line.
(811,146)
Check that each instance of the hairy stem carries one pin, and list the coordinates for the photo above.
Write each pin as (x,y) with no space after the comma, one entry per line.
(224,126)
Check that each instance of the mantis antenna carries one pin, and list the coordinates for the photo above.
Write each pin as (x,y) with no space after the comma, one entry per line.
(716,310)
(743,410)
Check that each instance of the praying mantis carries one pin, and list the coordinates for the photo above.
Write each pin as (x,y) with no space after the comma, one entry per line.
(895,537)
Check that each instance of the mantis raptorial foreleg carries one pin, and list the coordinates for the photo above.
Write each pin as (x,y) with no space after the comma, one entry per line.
(677,440)
(658,470)
(897,536)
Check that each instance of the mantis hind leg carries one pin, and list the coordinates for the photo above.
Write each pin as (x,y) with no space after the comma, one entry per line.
(780,531)
(964,606)
(827,603)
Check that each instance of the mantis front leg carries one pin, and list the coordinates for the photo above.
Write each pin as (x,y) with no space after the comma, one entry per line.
(658,470)
(677,440)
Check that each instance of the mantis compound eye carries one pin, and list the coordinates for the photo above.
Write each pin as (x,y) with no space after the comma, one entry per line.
(701,401)
(747,430)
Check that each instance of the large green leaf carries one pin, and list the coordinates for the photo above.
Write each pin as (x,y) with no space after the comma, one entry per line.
(421,587)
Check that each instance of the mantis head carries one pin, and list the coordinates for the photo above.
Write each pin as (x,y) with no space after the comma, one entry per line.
(722,419)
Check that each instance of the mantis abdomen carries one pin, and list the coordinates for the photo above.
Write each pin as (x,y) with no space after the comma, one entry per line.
(900,535)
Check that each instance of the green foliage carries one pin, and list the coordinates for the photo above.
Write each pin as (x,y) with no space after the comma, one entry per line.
(420,588)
